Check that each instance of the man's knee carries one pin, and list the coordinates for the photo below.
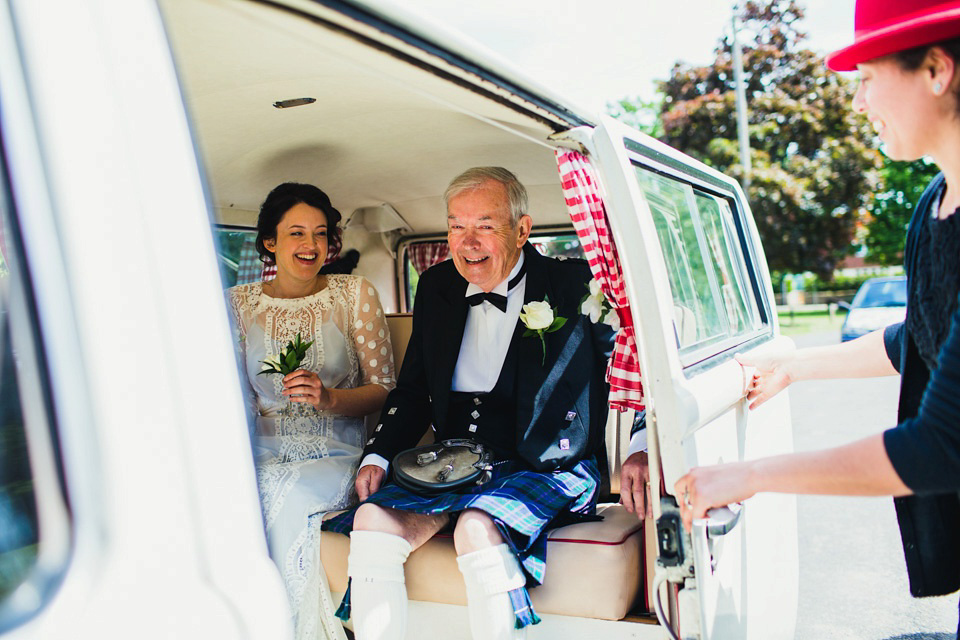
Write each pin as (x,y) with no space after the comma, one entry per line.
(372,517)
(475,530)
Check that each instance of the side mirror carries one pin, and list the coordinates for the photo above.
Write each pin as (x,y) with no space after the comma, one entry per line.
(844,305)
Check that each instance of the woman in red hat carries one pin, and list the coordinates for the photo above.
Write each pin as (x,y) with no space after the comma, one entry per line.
(908,56)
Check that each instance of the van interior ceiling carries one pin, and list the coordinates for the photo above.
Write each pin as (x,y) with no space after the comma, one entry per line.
(378,131)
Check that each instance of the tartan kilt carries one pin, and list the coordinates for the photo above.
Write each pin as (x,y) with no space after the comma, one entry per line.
(524,504)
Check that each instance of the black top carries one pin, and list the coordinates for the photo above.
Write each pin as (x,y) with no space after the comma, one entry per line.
(930,521)
(935,281)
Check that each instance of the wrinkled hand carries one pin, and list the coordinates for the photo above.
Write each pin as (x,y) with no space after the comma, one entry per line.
(635,485)
(305,386)
(369,479)
(771,375)
(703,488)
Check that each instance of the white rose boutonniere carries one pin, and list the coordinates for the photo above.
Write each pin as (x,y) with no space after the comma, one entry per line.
(540,319)
(595,305)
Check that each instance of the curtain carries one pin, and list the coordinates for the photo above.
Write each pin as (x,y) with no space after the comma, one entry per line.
(249,267)
(424,255)
(588,214)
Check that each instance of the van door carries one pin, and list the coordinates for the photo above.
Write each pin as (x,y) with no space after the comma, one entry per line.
(700,292)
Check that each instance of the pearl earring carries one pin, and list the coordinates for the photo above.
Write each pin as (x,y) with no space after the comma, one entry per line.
(937,88)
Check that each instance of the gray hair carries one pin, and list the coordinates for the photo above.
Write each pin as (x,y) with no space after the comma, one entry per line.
(473,178)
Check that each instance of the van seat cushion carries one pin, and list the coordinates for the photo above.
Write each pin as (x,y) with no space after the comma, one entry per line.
(594,569)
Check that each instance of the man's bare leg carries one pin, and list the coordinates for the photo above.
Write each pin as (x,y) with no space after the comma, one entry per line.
(379,545)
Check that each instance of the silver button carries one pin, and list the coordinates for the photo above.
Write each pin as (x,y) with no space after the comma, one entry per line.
(472,428)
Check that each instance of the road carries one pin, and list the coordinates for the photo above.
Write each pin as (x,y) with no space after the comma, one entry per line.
(853,582)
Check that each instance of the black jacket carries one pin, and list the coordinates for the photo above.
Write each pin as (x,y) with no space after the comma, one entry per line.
(570,382)
(929,524)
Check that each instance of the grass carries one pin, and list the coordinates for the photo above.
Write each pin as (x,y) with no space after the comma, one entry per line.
(801,322)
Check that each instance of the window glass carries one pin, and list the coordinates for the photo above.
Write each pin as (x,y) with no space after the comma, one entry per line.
(237,255)
(699,241)
(19,528)
(420,256)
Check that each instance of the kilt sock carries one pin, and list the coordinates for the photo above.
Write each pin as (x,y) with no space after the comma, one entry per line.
(378,592)
(489,574)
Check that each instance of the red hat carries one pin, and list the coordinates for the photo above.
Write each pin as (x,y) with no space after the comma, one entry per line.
(883,27)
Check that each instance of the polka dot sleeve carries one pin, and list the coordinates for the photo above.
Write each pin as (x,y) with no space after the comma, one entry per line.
(371,337)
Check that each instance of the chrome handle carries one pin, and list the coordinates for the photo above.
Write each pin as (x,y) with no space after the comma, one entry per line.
(721,520)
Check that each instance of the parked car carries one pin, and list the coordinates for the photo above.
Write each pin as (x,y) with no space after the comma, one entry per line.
(879,302)
(134,133)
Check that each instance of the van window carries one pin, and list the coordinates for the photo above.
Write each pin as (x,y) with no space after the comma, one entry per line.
(713,304)
(32,527)
(418,256)
(237,255)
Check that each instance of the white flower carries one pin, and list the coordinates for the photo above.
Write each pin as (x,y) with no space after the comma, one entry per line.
(537,315)
(270,364)
(612,319)
(595,289)
(592,306)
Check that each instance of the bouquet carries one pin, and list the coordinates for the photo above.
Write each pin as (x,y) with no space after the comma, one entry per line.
(289,359)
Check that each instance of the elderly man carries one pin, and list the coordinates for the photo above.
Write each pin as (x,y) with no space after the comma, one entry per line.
(474,370)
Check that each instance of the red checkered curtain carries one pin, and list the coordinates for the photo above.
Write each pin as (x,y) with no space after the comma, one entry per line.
(424,255)
(588,214)
(269,271)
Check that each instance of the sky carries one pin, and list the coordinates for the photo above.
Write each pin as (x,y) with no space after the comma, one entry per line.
(597,51)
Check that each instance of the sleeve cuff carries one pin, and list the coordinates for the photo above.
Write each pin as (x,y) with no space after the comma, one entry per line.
(376,460)
(638,442)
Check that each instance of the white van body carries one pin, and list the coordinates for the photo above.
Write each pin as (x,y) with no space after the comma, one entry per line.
(129,128)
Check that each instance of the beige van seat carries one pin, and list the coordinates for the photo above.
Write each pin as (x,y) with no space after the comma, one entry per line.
(594,569)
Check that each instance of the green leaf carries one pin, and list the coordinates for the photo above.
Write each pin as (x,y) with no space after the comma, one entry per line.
(529,332)
(556,324)
(291,362)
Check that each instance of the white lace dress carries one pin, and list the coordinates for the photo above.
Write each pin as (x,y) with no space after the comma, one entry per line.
(307,459)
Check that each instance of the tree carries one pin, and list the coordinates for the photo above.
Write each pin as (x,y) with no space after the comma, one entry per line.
(903,182)
(815,163)
(642,115)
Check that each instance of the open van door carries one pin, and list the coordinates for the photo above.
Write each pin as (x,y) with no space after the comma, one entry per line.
(700,292)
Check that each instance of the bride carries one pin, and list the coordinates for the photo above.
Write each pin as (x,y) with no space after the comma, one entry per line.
(309,423)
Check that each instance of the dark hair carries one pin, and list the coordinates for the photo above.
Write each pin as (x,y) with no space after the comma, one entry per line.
(283,198)
(912,59)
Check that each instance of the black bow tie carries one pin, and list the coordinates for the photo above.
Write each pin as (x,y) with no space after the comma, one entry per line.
(496,299)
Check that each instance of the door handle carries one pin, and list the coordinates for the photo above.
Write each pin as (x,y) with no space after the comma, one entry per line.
(721,520)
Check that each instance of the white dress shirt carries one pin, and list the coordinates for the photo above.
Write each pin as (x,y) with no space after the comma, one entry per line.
(486,339)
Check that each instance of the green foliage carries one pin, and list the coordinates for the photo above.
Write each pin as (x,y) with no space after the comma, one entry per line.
(642,115)
(814,161)
(289,359)
(903,183)
(837,283)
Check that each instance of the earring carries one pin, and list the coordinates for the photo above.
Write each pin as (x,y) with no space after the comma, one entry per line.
(937,88)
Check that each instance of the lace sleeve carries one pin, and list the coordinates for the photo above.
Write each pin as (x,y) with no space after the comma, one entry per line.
(371,338)
(235,302)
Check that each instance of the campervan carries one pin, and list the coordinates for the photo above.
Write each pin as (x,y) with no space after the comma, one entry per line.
(139,138)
